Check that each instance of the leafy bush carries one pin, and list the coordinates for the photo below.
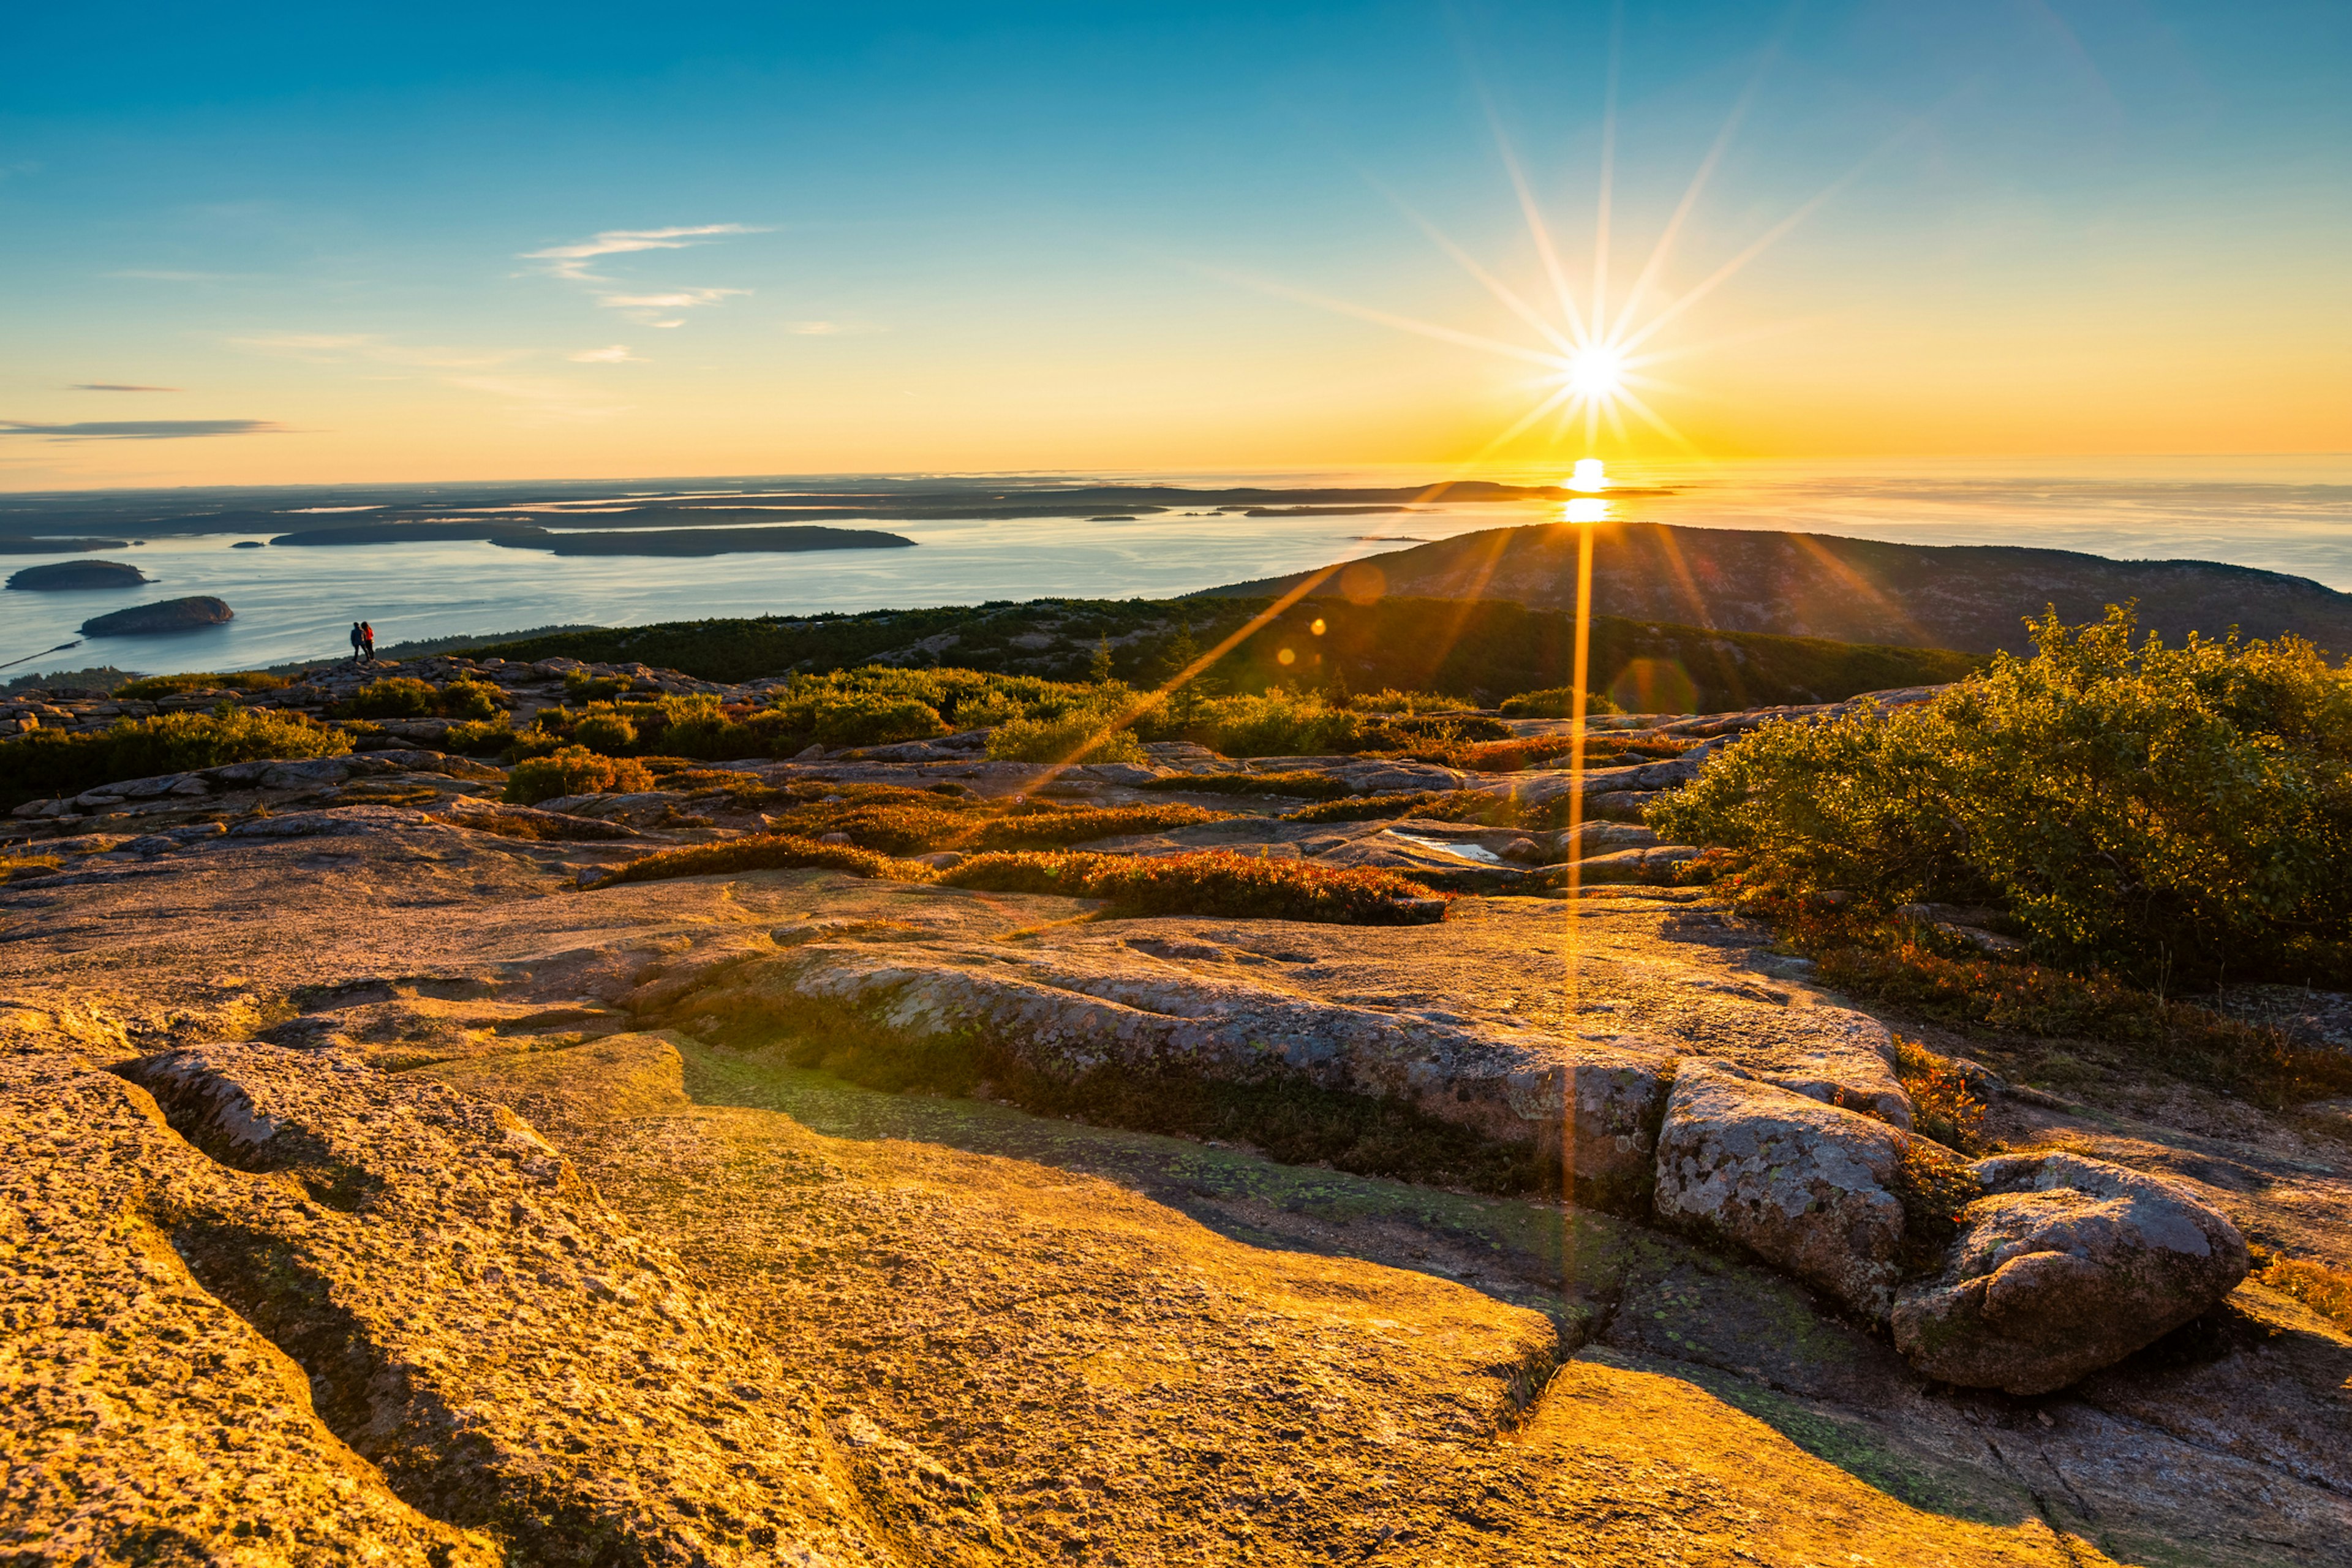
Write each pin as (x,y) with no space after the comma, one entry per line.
(1943,1106)
(1209,882)
(762,852)
(480,737)
(393,697)
(1079,735)
(466,699)
(1277,724)
(575,769)
(608,733)
(1408,703)
(2167,812)
(148,687)
(1554,702)
(52,762)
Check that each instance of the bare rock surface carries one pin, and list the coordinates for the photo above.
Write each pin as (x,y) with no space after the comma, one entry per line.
(2065,1266)
(1807,1187)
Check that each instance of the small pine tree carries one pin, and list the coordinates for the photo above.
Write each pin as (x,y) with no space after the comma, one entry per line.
(1099,670)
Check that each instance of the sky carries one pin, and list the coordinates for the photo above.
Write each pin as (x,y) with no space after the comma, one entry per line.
(278,243)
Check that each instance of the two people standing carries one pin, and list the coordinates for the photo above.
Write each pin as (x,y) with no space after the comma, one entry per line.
(363,643)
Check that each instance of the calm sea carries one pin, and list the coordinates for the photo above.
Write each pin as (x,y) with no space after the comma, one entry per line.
(2292,515)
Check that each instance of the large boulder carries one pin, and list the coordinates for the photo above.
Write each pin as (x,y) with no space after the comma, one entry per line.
(1807,1187)
(191,613)
(2065,1266)
(58,576)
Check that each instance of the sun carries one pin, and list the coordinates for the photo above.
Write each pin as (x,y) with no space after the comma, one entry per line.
(1596,373)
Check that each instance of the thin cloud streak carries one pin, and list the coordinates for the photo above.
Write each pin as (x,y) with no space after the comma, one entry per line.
(141,429)
(115,386)
(571,261)
(617,354)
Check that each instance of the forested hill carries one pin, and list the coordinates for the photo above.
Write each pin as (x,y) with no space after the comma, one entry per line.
(1973,597)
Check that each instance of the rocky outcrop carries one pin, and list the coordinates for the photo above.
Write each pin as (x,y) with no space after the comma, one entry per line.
(58,576)
(191,613)
(1807,1187)
(2065,1266)
(338,1316)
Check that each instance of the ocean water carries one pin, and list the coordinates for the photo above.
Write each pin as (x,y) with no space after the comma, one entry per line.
(2292,515)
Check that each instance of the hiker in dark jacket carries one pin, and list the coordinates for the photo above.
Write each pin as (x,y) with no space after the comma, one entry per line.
(357,640)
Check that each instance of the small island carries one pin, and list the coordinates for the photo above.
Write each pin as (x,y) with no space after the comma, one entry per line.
(59,576)
(191,613)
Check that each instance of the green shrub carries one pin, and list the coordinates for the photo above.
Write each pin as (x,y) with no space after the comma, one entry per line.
(2169,814)
(480,737)
(1208,882)
(470,700)
(607,733)
(393,697)
(53,762)
(1408,703)
(579,686)
(1080,735)
(1049,829)
(148,687)
(1277,724)
(1554,702)
(574,770)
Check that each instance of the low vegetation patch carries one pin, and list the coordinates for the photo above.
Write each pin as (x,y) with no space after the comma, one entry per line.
(2168,815)
(1302,784)
(575,769)
(54,762)
(2326,1289)
(1554,702)
(148,687)
(1209,882)
(762,852)
(1080,735)
(16,867)
(1943,1106)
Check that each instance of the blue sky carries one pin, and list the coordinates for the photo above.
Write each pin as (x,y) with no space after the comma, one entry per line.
(1087,236)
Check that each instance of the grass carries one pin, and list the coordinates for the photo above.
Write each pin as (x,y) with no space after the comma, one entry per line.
(1081,735)
(1208,882)
(1302,784)
(897,821)
(762,852)
(14,867)
(2323,1288)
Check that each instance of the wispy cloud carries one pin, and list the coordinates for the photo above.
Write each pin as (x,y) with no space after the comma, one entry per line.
(116,386)
(617,354)
(342,348)
(169,275)
(652,310)
(832,329)
(572,260)
(141,429)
